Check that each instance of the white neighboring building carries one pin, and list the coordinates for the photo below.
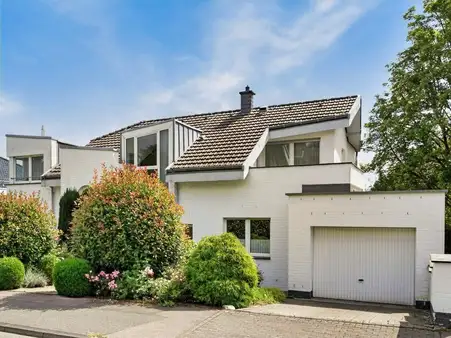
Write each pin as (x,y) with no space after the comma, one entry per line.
(285,180)
(48,167)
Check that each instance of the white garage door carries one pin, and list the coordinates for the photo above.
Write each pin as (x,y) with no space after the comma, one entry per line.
(364,264)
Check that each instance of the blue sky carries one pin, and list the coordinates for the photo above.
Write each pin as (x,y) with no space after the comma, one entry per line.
(83,68)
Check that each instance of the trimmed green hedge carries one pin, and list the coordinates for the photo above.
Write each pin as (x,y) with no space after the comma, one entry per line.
(221,272)
(69,277)
(12,273)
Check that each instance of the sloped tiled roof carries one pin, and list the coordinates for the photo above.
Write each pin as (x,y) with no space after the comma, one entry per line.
(53,173)
(4,172)
(229,136)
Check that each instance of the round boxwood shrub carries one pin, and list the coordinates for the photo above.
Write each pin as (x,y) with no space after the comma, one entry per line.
(12,273)
(128,219)
(47,265)
(221,272)
(69,277)
(27,227)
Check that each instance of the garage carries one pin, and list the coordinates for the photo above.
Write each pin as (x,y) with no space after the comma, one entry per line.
(364,246)
(364,264)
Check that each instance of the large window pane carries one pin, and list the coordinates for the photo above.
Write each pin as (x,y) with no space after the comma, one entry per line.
(238,228)
(260,236)
(277,155)
(147,150)
(306,153)
(164,153)
(22,169)
(37,167)
(130,150)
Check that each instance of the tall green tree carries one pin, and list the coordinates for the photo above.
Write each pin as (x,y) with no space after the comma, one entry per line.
(409,128)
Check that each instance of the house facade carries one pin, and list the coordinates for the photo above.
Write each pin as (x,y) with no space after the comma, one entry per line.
(4,174)
(285,180)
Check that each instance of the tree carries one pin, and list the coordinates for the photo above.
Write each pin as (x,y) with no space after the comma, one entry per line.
(409,128)
(67,206)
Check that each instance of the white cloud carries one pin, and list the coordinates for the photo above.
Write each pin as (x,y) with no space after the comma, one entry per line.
(9,106)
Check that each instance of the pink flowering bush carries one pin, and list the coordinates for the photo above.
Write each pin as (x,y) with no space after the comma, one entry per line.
(128,220)
(103,283)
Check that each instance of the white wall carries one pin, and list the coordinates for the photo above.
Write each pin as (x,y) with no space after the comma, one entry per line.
(78,165)
(56,195)
(440,287)
(45,193)
(343,151)
(27,146)
(261,194)
(3,190)
(421,211)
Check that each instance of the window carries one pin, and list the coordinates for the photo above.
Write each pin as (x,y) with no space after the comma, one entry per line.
(277,154)
(306,153)
(150,151)
(29,168)
(254,234)
(292,153)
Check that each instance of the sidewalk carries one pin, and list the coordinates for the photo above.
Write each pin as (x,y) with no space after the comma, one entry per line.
(44,311)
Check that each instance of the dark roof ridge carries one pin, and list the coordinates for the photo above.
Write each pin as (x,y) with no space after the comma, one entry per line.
(313,101)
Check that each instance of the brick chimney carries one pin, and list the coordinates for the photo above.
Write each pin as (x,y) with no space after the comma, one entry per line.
(247,100)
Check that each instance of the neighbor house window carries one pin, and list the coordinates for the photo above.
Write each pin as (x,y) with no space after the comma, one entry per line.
(29,168)
(254,234)
(292,153)
(149,151)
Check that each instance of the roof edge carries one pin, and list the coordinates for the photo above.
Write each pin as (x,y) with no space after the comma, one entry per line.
(203,169)
(67,146)
(389,192)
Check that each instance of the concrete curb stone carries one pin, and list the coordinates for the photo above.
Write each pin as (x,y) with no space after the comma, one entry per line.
(35,332)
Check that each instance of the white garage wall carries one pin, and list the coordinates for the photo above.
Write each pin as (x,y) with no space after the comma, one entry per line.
(261,194)
(423,211)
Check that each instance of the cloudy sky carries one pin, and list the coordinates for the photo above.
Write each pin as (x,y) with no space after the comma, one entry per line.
(83,68)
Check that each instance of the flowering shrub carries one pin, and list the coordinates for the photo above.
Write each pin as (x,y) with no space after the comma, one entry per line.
(127,220)
(103,283)
(27,227)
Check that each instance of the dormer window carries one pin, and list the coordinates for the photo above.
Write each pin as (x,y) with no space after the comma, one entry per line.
(28,168)
(292,153)
(148,148)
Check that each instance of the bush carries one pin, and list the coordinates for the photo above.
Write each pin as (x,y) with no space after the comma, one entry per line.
(47,265)
(103,283)
(34,278)
(67,206)
(267,295)
(69,277)
(221,272)
(27,227)
(12,273)
(127,220)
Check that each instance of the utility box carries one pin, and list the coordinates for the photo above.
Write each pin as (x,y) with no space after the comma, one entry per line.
(440,289)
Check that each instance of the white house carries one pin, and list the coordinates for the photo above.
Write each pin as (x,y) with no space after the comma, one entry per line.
(285,180)
(46,166)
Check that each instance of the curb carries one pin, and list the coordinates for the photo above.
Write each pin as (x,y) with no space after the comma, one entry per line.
(35,332)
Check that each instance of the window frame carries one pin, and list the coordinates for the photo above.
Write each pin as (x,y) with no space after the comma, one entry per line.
(29,178)
(291,144)
(145,131)
(247,234)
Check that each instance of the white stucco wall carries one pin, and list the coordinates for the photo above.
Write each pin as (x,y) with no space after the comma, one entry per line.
(45,193)
(56,195)
(343,151)
(440,284)
(78,165)
(261,194)
(422,211)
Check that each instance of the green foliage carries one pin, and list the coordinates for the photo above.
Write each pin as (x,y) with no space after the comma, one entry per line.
(409,128)
(69,277)
(12,273)
(67,206)
(34,278)
(27,227)
(221,272)
(128,220)
(47,265)
(267,295)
